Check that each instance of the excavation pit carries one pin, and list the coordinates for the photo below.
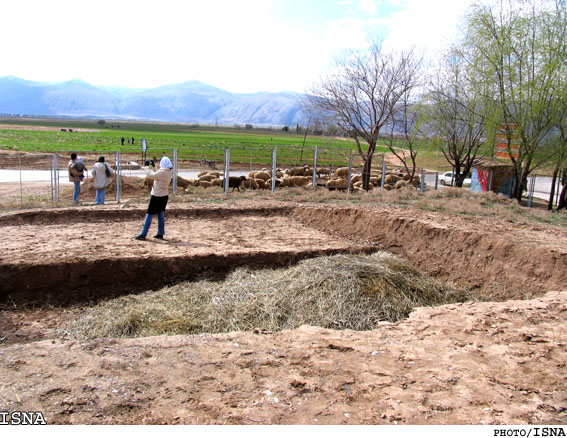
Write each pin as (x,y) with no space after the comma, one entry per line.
(70,255)
(64,257)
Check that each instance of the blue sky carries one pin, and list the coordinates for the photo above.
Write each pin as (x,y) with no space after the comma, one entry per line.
(241,46)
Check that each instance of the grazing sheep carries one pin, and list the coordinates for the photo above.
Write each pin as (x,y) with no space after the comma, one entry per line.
(400,184)
(234,182)
(207,177)
(279,173)
(249,183)
(337,183)
(392,179)
(299,181)
(261,183)
(323,171)
(203,183)
(342,171)
(279,182)
(261,175)
(182,182)
(356,178)
(297,171)
(217,182)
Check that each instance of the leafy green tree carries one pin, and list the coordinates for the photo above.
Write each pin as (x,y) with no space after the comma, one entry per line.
(519,48)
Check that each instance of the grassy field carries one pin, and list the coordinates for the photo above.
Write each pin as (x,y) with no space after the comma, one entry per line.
(193,141)
(158,135)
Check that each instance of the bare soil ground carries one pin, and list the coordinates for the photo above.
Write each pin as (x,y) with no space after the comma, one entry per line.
(496,362)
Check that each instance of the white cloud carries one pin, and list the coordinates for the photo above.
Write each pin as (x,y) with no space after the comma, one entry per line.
(368,6)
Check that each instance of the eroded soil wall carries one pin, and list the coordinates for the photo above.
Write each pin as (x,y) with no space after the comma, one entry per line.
(476,257)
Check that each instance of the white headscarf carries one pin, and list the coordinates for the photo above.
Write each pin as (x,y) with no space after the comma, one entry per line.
(165,163)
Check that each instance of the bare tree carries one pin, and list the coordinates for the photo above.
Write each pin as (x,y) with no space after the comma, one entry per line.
(361,94)
(403,137)
(458,115)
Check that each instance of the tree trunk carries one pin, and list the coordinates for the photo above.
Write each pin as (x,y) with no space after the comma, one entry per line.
(366,172)
(563,195)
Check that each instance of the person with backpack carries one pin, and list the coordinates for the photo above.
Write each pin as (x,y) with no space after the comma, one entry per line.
(101,179)
(76,175)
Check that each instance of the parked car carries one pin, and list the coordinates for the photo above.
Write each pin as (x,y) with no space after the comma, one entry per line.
(447,179)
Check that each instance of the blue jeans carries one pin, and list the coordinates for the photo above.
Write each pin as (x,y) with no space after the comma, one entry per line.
(77,192)
(99,199)
(148,222)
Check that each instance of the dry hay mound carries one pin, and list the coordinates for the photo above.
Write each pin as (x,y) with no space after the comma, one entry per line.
(337,292)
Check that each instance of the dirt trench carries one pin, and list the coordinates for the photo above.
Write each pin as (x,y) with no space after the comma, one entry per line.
(65,256)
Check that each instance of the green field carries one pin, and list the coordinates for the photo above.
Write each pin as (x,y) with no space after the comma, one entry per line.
(193,142)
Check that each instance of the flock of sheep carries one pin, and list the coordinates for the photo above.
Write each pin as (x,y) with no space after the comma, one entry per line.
(298,177)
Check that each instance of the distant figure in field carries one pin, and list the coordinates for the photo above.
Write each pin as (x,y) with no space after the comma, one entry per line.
(122,141)
(101,179)
(159,197)
(128,140)
(132,140)
(76,169)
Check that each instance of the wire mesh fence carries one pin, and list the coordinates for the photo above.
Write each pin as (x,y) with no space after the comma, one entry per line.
(44,178)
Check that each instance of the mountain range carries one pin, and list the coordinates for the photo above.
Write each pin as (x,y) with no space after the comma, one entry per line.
(187,102)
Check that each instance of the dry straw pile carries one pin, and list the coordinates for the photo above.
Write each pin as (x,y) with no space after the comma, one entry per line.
(338,292)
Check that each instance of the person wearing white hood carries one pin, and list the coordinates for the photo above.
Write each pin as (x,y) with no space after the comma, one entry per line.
(159,196)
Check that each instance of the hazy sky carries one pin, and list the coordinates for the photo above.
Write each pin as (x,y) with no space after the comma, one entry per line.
(240,46)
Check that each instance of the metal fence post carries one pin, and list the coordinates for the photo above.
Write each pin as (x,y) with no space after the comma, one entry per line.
(118,174)
(436,180)
(274,163)
(422,185)
(226,170)
(54,179)
(21,190)
(57,185)
(315,167)
(175,171)
(51,175)
(383,172)
(531,190)
(349,172)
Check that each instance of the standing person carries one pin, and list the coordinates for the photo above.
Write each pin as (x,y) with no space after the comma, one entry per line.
(159,197)
(122,141)
(101,179)
(76,175)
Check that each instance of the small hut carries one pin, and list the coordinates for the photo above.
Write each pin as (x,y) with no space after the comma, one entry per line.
(493,176)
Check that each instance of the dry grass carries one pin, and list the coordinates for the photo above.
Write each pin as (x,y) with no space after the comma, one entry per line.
(338,292)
